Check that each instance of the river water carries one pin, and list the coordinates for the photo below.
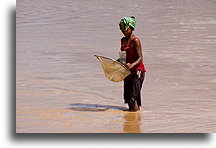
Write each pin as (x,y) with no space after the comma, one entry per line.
(60,85)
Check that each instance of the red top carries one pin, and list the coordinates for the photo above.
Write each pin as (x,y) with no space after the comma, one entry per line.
(131,54)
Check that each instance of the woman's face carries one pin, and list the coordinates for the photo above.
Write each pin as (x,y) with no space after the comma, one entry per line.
(127,33)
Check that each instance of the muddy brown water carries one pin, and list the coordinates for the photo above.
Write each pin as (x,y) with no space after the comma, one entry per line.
(60,85)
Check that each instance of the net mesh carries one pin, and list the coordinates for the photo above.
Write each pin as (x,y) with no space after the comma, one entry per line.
(113,70)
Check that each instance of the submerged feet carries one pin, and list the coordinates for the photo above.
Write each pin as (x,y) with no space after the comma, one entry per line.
(133,106)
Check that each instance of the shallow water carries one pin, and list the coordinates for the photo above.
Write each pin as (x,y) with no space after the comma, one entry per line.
(60,85)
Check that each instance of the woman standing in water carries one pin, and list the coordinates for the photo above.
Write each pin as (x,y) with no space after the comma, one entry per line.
(131,45)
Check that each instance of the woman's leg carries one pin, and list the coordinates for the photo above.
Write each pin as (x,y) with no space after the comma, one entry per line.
(130,106)
(133,106)
(136,107)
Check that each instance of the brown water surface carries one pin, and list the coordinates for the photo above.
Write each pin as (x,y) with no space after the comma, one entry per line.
(60,85)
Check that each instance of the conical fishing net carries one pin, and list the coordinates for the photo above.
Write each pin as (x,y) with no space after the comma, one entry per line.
(113,70)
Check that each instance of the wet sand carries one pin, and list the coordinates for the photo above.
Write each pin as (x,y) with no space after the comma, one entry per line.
(60,85)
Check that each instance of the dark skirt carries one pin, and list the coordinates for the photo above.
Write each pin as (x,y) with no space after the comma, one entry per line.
(132,87)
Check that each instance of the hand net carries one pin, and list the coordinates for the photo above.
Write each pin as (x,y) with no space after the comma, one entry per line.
(113,70)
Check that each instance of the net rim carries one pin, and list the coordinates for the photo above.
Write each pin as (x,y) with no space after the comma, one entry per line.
(113,61)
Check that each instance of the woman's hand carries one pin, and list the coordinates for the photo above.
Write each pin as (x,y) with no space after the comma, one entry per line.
(130,65)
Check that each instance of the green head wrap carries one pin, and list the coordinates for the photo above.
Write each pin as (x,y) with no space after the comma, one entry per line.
(128,22)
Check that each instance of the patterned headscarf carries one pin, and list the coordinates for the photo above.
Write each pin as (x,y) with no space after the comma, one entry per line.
(128,22)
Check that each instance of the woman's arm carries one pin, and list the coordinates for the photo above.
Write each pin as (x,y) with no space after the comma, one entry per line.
(137,45)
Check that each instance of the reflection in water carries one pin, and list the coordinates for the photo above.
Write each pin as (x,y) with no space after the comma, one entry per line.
(55,66)
(132,122)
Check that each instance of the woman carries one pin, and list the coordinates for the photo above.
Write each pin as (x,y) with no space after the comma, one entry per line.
(134,60)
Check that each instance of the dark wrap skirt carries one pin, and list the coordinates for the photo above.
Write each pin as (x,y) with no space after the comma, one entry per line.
(132,87)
